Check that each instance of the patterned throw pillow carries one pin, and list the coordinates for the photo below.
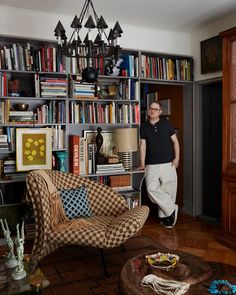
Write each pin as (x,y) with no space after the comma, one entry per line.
(75,202)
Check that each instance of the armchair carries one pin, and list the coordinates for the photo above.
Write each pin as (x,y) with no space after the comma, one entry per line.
(111,222)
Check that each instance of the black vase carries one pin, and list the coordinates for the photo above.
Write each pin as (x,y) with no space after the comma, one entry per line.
(89,75)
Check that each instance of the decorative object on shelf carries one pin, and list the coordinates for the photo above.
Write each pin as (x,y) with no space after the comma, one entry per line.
(33,148)
(10,261)
(222,287)
(19,272)
(103,46)
(211,55)
(125,143)
(164,261)
(165,106)
(21,107)
(108,145)
(100,159)
(62,159)
(162,286)
(111,69)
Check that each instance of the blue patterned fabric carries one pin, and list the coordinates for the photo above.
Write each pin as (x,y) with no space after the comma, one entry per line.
(75,202)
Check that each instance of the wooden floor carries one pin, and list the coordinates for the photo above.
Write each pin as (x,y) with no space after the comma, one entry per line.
(193,235)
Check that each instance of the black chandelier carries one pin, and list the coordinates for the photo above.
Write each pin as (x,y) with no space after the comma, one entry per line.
(103,46)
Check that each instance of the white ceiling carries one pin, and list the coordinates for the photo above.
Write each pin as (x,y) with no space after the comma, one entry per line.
(173,15)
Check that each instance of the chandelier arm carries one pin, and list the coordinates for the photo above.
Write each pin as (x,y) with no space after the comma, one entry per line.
(95,14)
(85,7)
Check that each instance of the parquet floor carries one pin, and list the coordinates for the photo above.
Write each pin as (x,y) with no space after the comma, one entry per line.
(192,235)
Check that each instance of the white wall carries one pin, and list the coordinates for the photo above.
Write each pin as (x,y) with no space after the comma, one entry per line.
(204,33)
(36,24)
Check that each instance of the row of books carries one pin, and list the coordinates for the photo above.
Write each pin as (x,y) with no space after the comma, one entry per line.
(101,112)
(29,57)
(156,67)
(52,112)
(8,138)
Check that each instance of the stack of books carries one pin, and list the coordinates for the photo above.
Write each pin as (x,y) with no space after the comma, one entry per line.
(110,168)
(4,146)
(84,90)
(21,116)
(53,87)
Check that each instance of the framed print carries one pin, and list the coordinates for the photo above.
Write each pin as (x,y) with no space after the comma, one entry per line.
(211,55)
(33,148)
(165,105)
(108,145)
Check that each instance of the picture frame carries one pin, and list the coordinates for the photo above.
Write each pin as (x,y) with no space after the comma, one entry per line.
(166,107)
(108,146)
(33,148)
(108,91)
(211,55)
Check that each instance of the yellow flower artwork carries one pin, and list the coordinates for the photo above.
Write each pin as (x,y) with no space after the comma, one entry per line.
(34,149)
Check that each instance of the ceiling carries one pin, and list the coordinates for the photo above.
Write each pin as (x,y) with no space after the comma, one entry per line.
(173,15)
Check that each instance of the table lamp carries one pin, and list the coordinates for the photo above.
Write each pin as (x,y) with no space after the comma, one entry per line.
(125,143)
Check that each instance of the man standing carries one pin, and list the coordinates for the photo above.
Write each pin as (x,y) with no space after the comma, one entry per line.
(159,156)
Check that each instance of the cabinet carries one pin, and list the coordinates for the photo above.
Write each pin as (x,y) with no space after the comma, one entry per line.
(229,138)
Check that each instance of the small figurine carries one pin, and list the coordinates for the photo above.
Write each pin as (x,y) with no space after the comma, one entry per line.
(19,272)
(112,70)
(10,258)
(100,159)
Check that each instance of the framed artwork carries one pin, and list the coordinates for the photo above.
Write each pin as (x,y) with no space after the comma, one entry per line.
(33,148)
(165,105)
(211,55)
(108,145)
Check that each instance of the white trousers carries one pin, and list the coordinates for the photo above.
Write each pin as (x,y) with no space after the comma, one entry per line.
(161,183)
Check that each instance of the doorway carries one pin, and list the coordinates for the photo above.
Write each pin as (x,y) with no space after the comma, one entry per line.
(211,149)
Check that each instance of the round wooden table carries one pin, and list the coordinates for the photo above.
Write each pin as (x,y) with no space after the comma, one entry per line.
(191,269)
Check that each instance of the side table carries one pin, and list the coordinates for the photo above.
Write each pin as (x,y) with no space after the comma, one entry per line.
(31,282)
(199,275)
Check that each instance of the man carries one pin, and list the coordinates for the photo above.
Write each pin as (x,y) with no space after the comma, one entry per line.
(159,156)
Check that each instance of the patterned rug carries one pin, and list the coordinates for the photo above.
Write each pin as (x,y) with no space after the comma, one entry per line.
(79,271)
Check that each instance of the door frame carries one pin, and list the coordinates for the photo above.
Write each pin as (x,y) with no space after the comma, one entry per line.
(197,142)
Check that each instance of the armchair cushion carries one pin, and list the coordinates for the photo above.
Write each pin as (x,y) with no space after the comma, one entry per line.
(75,202)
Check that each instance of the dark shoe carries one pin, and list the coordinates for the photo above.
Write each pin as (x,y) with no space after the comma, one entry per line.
(173,216)
(166,222)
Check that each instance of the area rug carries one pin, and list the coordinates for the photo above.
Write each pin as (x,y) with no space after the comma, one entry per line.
(77,270)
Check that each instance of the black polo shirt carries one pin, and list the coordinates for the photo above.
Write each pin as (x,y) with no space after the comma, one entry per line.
(159,146)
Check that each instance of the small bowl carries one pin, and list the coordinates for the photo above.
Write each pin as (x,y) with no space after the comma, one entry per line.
(21,107)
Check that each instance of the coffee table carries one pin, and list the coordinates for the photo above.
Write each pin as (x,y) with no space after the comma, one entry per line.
(32,281)
(199,274)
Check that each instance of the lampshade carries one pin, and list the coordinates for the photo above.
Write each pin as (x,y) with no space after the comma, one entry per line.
(125,143)
(126,140)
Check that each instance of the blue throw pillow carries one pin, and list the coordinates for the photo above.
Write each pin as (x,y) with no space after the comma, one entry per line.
(75,202)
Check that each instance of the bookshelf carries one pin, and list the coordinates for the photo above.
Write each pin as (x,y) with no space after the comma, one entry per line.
(51,88)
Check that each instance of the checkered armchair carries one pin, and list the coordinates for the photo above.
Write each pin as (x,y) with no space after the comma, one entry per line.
(111,222)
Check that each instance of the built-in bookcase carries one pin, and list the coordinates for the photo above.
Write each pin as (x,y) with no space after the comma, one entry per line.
(51,86)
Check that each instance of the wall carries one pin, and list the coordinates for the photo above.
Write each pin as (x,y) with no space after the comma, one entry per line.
(204,33)
(36,24)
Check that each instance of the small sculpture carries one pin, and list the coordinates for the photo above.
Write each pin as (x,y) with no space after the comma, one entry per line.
(19,272)
(10,258)
(112,70)
(100,159)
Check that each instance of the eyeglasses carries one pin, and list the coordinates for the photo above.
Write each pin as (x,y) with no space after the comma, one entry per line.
(155,109)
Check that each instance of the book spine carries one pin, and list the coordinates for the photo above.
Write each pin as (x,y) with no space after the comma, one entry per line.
(74,141)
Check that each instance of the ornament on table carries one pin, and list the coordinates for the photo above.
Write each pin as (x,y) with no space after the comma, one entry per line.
(10,260)
(19,272)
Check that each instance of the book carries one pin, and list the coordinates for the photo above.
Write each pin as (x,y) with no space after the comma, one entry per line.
(74,142)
